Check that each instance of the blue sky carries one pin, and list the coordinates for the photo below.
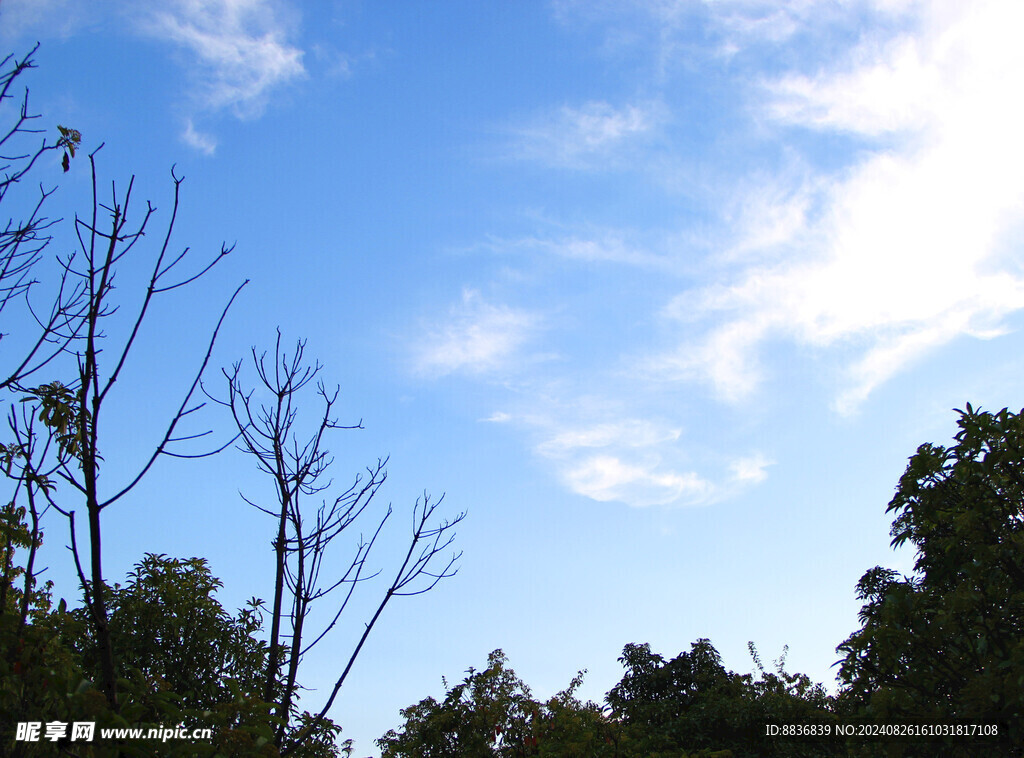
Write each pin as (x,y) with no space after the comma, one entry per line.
(664,293)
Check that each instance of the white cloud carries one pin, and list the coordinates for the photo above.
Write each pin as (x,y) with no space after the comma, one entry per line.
(590,246)
(640,462)
(630,460)
(498,417)
(632,433)
(44,18)
(726,358)
(582,137)
(240,48)
(665,28)
(896,92)
(477,337)
(743,23)
(204,143)
(769,213)
(606,477)
(237,51)
(909,247)
(750,470)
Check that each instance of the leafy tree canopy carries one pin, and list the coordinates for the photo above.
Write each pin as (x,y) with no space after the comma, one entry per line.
(692,702)
(947,643)
(688,707)
(492,713)
(167,623)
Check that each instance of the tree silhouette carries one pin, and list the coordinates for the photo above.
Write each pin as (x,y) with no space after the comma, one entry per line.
(298,467)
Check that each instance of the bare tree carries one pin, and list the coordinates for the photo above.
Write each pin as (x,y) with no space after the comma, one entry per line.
(73,412)
(27,460)
(297,466)
(102,248)
(23,241)
(59,427)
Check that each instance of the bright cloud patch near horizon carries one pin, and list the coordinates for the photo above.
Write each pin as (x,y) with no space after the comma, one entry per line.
(907,251)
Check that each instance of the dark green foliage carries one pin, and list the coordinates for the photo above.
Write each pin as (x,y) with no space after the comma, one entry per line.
(947,643)
(657,700)
(167,623)
(692,702)
(36,668)
(492,713)
(689,707)
(566,726)
(186,654)
(185,661)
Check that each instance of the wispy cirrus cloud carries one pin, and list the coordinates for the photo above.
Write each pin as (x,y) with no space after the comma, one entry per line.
(475,337)
(641,462)
(238,51)
(751,469)
(585,246)
(584,136)
(629,433)
(622,460)
(908,247)
(240,48)
(662,31)
(48,18)
(204,143)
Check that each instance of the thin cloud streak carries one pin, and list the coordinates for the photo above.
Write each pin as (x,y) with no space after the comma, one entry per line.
(750,470)
(581,137)
(43,19)
(632,433)
(475,338)
(587,246)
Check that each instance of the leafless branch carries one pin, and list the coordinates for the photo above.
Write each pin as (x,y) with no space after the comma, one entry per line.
(429,541)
